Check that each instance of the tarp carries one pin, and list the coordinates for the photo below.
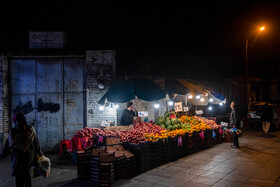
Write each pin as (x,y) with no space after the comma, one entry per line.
(193,88)
(174,86)
(126,90)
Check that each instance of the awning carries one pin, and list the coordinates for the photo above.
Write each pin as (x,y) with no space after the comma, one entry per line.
(126,90)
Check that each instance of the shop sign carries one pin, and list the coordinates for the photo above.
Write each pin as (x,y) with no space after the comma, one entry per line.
(225,124)
(46,40)
(143,113)
(186,109)
(199,112)
(178,107)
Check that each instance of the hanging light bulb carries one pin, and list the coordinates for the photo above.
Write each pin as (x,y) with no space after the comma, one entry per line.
(197,97)
(202,99)
(210,108)
(211,100)
(170,103)
(190,96)
(221,103)
(156,105)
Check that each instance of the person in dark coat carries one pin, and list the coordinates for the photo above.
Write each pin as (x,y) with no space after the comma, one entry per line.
(23,144)
(127,115)
(233,124)
(266,117)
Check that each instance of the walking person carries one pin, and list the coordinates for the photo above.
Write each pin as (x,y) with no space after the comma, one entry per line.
(23,144)
(128,114)
(266,117)
(233,124)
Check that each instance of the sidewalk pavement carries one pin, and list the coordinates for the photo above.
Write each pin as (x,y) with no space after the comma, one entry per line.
(256,163)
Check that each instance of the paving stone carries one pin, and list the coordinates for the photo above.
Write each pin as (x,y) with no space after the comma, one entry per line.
(174,181)
(225,183)
(237,178)
(214,174)
(151,178)
(193,184)
(205,180)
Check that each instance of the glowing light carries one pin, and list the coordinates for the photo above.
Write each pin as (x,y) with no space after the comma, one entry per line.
(156,105)
(190,96)
(210,108)
(170,103)
(202,99)
(101,108)
(211,100)
(221,103)
(262,28)
(197,97)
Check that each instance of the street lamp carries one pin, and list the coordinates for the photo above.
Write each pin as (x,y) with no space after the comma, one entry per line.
(261,29)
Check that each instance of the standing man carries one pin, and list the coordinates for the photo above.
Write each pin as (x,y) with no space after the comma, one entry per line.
(127,115)
(232,124)
(266,117)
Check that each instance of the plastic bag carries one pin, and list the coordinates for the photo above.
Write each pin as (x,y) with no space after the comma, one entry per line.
(43,168)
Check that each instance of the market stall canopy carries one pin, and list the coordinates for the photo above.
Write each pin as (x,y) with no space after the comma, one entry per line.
(193,88)
(126,90)
(172,86)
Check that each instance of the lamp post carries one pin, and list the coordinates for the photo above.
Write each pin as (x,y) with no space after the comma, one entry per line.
(246,67)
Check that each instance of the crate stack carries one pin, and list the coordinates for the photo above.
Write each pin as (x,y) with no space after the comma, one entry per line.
(208,138)
(155,154)
(94,170)
(144,160)
(164,151)
(83,170)
(130,167)
(191,146)
(173,148)
(120,167)
(183,147)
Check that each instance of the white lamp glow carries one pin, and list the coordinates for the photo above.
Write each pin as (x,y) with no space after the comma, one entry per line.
(190,96)
(101,108)
(197,97)
(170,103)
(221,103)
(211,100)
(202,99)
(210,108)
(156,105)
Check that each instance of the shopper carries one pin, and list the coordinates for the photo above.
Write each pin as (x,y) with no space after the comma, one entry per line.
(23,144)
(266,117)
(127,115)
(233,124)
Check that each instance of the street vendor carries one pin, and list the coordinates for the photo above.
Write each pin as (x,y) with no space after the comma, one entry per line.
(127,115)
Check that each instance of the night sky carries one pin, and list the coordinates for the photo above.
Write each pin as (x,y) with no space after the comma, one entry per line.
(192,39)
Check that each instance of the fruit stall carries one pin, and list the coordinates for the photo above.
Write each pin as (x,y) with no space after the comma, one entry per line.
(106,155)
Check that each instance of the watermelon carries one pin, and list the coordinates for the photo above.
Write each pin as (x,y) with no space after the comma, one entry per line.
(157,121)
(167,122)
(179,121)
(163,126)
(161,120)
(166,114)
(173,121)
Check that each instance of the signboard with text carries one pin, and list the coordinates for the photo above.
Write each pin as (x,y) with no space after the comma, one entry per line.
(178,107)
(46,40)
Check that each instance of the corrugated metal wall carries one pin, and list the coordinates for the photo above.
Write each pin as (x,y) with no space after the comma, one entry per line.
(51,93)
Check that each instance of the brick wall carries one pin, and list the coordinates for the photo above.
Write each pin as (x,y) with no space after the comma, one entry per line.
(4,98)
(101,68)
